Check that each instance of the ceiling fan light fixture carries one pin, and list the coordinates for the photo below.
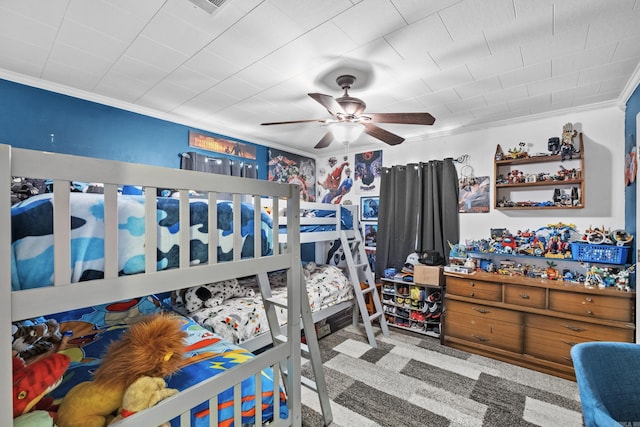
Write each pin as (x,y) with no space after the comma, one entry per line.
(346,132)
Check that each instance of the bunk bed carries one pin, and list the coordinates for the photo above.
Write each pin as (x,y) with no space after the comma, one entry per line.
(102,280)
(240,316)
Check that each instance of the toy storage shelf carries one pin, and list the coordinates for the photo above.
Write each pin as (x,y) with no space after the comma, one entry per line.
(475,254)
(391,293)
(540,189)
(541,183)
(537,159)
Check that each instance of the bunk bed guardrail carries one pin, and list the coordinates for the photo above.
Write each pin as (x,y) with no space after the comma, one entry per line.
(16,305)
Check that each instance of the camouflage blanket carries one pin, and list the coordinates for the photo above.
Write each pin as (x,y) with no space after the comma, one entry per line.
(32,248)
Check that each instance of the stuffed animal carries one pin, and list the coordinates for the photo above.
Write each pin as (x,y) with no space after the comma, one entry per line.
(213,294)
(31,339)
(34,419)
(151,347)
(32,382)
(144,393)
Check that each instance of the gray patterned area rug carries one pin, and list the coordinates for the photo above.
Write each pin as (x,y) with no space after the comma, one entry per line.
(411,380)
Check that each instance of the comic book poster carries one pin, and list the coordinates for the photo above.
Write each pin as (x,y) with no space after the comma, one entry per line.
(293,169)
(367,168)
(334,180)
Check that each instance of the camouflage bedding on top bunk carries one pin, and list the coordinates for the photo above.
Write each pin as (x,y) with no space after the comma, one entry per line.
(32,236)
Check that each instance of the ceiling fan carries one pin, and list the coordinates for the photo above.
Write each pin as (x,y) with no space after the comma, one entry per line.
(347,112)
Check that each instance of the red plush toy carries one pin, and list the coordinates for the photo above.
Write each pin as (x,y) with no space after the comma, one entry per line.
(32,382)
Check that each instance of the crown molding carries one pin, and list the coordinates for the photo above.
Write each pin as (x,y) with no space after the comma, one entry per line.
(629,88)
(512,121)
(126,106)
(620,102)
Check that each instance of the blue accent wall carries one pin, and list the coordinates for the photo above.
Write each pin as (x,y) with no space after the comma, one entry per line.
(630,137)
(43,120)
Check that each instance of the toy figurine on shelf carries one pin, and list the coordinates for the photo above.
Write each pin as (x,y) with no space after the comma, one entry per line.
(556,239)
(597,277)
(519,151)
(458,250)
(567,149)
(551,271)
(622,279)
(597,236)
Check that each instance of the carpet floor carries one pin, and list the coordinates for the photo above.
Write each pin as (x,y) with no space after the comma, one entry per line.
(411,380)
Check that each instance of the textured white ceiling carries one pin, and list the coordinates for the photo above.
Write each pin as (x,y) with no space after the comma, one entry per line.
(467,62)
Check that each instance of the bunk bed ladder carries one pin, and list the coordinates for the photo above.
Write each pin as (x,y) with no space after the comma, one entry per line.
(364,284)
(311,347)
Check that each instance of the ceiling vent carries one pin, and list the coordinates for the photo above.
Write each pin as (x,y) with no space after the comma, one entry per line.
(209,6)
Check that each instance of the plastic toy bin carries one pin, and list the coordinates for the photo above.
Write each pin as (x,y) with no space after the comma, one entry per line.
(607,254)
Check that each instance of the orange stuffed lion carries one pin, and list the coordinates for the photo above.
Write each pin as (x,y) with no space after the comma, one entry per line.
(152,347)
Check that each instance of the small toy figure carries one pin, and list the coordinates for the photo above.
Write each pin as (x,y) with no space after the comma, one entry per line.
(553,145)
(518,152)
(551,271)
(457,251)
(622,279)
(567,149)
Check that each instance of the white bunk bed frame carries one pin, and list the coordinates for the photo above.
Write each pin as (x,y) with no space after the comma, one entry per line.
(320,238)
(63,296)
(357,269)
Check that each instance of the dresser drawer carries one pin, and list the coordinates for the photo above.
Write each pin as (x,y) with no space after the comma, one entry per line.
(526,296)
(550,346)
(494,333)
(591,305)
(588,331)
(455,308)
(474,289)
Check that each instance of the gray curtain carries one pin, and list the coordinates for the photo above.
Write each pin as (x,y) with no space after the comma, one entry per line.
(418,211)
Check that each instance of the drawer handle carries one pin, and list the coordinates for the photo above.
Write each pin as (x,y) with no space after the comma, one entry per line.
(571,343)
(588,299)
(481,310)
(472,284)
(574,328)
(589,312)
(481,338)
(471,294)
(524,296)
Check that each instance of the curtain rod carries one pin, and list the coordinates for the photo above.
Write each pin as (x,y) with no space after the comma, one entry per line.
(462,159)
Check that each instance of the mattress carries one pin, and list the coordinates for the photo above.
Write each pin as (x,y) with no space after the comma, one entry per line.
(346,220)
(242,318)
(206,355)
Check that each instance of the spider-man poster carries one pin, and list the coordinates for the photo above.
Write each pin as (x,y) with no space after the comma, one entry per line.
(334,180)
(367,170)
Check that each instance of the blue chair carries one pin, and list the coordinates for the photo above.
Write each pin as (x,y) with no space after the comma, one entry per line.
(608,376)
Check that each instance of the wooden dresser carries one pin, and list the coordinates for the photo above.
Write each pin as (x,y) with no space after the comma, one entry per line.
(532,322)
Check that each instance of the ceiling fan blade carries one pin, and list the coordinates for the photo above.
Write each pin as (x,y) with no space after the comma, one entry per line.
(294,121)
(325,141)
(382,135)
(328,102)
(402,118)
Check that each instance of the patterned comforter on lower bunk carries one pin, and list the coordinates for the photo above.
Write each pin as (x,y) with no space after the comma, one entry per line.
(234,309)
(206,355)
(32,236)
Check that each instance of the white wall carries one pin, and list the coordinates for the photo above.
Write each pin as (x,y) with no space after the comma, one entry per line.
(603,132)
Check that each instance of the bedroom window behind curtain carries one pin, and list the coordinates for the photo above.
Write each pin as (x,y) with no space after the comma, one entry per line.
(220,165)
(418,211)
